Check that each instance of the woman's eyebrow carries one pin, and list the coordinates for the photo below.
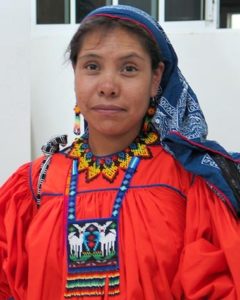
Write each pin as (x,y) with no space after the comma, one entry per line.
(89,55)
(124,57)
(132,55)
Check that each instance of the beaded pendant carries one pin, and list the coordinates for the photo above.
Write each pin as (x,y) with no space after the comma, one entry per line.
(92,257)
(92,244)
(108,166)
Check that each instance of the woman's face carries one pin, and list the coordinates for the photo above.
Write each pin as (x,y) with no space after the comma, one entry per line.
(114,81)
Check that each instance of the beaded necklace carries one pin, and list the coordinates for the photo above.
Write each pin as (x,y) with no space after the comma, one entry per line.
(92,244)
(109,166)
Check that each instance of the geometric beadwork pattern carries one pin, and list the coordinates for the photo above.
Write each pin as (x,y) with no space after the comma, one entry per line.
(92,244)
(92,258)
(108,166)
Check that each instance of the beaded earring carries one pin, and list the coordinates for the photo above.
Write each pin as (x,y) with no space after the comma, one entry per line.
(148,117)
(76,129)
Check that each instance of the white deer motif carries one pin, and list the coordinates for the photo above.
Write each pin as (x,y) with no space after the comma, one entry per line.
(76,243)
(107,240)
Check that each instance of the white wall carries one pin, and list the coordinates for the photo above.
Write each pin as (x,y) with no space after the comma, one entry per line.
(14,85)
(209,60)
(51,90)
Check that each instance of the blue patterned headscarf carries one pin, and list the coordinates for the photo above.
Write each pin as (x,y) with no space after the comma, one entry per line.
(178,118)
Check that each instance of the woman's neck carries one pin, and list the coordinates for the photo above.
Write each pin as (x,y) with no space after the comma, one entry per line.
(102,145)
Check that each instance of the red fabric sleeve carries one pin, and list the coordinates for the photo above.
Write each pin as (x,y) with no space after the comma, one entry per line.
(16,210)
(210,261)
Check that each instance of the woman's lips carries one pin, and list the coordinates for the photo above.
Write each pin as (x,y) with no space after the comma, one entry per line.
(108,109)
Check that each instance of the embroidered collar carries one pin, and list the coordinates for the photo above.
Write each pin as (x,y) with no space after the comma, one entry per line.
(109,165)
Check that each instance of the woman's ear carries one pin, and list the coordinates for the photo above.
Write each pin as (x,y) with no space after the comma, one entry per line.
(156,79)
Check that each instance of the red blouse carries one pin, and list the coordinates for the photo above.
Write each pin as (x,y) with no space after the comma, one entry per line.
(178,240)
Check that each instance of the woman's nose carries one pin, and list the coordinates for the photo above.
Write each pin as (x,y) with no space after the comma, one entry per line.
(108,86)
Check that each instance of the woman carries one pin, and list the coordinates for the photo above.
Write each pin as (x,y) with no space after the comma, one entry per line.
(137,208)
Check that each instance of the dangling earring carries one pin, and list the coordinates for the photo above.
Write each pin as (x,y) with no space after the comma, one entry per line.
(76,129)
(148,117)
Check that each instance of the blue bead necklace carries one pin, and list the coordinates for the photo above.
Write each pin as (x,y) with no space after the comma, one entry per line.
(92,244)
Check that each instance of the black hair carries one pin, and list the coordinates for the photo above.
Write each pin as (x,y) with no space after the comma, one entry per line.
(107,24)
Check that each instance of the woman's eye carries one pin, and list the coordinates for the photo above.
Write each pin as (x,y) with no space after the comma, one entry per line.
(129,69)
(91,67)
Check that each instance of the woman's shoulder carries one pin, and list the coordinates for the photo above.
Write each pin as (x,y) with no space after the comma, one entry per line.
(164,169)
(17,191)
(21,174)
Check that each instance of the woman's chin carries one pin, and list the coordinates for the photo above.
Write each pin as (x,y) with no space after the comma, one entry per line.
(111,130)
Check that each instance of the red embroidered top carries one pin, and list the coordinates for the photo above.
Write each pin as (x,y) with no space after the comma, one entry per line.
(177,239)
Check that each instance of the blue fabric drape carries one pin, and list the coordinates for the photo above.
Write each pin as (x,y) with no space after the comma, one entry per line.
(179,119)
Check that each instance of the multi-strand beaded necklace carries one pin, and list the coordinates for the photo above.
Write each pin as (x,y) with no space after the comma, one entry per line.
(109,166)
(92,244)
